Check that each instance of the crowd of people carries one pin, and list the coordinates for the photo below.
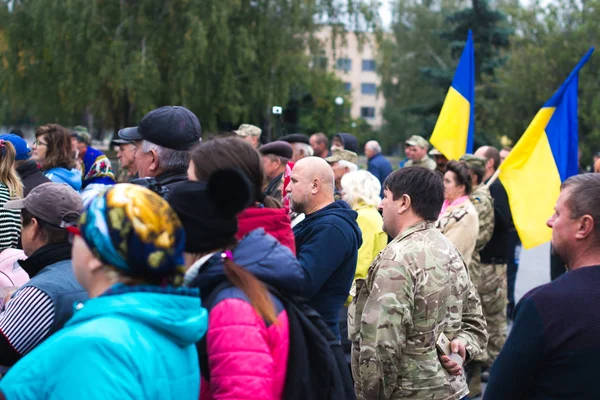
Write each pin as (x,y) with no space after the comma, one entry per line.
(231,269)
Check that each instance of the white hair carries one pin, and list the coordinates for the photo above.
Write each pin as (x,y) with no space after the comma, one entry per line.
(361,186)
(373,145)
(169,159)
(347,164)
(304,148)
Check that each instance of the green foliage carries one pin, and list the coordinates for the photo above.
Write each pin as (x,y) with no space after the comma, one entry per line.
(431,62)
(227,60)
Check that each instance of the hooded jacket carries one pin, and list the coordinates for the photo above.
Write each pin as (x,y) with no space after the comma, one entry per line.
(247,357)
(275,221)
(327,243)
(350,142)
(71,177)
(134,343)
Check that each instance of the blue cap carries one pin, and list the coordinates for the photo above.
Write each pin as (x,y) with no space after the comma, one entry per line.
(20,145)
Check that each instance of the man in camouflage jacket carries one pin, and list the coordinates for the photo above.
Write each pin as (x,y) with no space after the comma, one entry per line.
(417,288)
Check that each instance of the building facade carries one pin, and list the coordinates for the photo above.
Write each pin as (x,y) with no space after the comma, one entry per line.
(354,61)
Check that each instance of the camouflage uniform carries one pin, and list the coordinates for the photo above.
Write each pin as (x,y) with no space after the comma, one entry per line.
(484,205)
(416,140)
(416,288)
(460,224)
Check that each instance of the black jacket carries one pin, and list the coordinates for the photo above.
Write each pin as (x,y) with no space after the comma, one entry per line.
(496,251)
(31,176)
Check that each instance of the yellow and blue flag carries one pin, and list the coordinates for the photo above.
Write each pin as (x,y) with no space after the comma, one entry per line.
(455,128)
(544,157)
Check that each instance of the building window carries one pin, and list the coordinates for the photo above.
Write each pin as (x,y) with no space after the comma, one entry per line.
(368,65)
(368,88)
(320,62)
(344,64)
(347,87)
(367,112)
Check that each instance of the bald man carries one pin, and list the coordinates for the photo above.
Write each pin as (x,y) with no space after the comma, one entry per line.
(327,240)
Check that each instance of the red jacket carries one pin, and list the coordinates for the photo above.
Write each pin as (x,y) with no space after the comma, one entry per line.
(275,221)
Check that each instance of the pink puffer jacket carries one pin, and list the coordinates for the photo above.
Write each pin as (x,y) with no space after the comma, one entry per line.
(11,273)
(247,359)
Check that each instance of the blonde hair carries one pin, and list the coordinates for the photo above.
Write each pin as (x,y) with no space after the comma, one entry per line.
(361,186)
(8,174)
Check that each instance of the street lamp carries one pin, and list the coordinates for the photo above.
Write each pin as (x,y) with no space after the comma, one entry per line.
(339,101)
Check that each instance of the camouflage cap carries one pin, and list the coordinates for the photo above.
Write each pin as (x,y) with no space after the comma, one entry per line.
(475,163)
(81,134)
(416,140)
(435,152)
(341,154)
(248,130)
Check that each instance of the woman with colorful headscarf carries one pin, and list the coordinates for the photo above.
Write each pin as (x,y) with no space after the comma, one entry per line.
(97,172)
(135,338)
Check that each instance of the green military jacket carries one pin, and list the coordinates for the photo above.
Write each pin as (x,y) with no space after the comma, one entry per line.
(416,288)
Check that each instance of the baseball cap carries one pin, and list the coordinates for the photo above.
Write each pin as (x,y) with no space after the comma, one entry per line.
(416,140)
(54,203)
(172,127)
(476,163)
(81,134)
(117,142)
(21,147)
(342,154)
(248,130)
(435,152)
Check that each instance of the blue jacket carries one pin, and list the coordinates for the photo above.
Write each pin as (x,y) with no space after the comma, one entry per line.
(262,255)
(327,243)
(380,167)
(62,175)
(124,345)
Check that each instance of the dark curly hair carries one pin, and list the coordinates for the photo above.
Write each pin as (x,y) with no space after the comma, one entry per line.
(462,175)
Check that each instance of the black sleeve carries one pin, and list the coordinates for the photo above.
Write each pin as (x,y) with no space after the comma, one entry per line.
(502,213)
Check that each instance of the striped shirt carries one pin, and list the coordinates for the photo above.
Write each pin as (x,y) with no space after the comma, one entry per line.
(27,319)
(10,221)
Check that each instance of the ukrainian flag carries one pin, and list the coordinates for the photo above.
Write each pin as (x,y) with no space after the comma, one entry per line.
(544,157)
(455,128)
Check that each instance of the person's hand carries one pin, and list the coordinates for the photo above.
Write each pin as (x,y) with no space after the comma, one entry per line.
(453,367)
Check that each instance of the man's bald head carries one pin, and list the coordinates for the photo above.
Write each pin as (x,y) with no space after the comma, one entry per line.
(311,185)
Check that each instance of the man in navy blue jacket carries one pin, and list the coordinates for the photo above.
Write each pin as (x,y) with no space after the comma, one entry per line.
(377,163)
(327,240)
(554,346)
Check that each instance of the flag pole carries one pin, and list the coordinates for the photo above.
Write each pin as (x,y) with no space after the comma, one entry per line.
(493,178)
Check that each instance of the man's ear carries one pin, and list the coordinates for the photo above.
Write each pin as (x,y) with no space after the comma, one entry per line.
(405,203)
(586,227)
(154,165)
(315,186)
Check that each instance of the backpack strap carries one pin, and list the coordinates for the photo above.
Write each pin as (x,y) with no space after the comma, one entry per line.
(208,303)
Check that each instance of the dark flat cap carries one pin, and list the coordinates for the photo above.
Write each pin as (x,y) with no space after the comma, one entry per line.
(278,148)
(295,138)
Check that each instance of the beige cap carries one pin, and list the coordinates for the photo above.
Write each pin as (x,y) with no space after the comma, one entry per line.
(248,130)
(416,140)
(341,154)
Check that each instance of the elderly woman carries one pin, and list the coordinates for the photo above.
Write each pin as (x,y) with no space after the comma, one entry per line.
(458,220)
(361,190)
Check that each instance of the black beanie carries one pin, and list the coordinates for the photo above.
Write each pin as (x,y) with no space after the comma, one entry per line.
(208,210)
